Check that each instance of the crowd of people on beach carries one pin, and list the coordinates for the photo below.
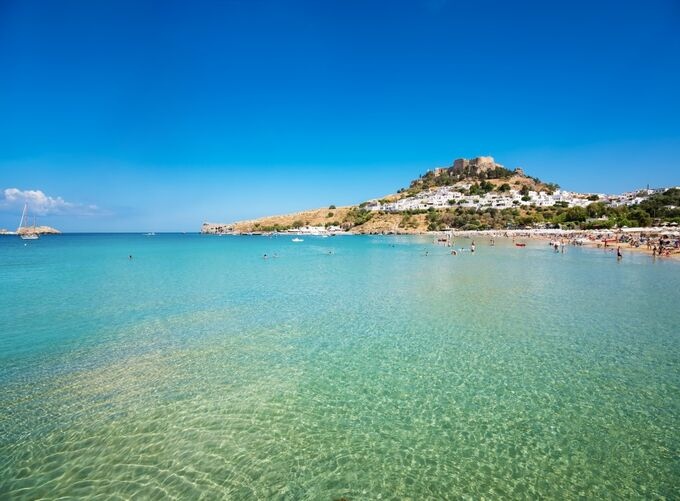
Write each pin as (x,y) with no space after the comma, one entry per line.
(660,246)
(660,243)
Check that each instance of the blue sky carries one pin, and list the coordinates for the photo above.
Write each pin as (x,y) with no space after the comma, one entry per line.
(159,115)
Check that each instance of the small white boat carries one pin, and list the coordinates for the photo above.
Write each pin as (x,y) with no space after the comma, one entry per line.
(26,232)
(151,234)
(297,240)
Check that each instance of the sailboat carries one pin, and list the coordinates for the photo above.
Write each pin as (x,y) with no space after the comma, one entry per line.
(26,232)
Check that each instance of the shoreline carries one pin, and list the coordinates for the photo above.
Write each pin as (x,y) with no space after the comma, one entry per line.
(629,239)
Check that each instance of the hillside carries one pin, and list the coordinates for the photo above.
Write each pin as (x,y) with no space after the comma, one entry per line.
(315,217)
(344,219)
(474,194)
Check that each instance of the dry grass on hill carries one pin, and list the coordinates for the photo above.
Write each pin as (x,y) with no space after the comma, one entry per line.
(390,222)
(315,217)
(379,222)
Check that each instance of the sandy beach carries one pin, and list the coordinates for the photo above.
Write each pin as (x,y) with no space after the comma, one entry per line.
(639,240)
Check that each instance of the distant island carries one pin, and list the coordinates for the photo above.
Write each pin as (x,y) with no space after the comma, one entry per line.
(477,194)
(40,230)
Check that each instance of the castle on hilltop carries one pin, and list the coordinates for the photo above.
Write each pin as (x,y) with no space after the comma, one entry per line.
(474,167)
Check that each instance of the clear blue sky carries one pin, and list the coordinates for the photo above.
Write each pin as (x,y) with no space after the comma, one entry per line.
(160,115)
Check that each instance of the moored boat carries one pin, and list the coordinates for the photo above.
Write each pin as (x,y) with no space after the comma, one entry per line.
(26,232)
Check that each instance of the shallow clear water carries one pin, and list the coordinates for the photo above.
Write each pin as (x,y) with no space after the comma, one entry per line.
(377,371)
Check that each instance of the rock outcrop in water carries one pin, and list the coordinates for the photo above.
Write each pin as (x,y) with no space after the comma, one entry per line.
(41,230)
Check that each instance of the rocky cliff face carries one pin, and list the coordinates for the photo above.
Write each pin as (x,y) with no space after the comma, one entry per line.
(216,228)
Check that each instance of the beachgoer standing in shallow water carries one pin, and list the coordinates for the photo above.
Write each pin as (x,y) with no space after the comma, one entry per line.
(618,253)
(472,246)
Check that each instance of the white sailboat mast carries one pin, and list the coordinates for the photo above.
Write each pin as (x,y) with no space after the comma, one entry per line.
(23,216)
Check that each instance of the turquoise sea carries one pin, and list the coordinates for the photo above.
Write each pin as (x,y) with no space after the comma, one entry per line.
(347,367)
